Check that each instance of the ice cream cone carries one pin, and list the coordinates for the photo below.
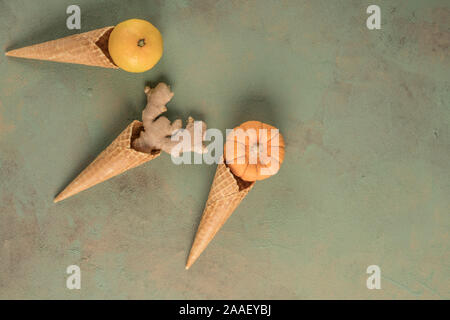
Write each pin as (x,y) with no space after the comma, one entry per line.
(114,160)
(227,192)
(88,48)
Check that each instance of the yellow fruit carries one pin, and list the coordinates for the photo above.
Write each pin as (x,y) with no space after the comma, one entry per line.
(135,45)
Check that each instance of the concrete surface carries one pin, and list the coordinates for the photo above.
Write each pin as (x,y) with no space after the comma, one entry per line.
(366,178)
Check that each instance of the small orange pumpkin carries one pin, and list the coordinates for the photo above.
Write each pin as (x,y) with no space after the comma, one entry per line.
(254,151)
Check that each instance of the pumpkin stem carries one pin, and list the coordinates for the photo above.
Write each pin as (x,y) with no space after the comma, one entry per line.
(141,43)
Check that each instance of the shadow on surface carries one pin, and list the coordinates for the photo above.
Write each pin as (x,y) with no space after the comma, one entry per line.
(258,106)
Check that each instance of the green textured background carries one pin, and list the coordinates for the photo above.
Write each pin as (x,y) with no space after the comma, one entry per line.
(365,181)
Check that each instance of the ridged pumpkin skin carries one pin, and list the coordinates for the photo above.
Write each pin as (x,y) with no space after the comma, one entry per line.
(254,151)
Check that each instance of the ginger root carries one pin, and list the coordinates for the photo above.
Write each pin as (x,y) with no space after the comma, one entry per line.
(158,130)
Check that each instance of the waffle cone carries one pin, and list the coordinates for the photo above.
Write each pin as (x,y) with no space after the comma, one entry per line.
(114,160)
(88,48)
(227,192)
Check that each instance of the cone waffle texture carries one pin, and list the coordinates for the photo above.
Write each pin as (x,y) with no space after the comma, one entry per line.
(114,160)
(88,48)
(227,192)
